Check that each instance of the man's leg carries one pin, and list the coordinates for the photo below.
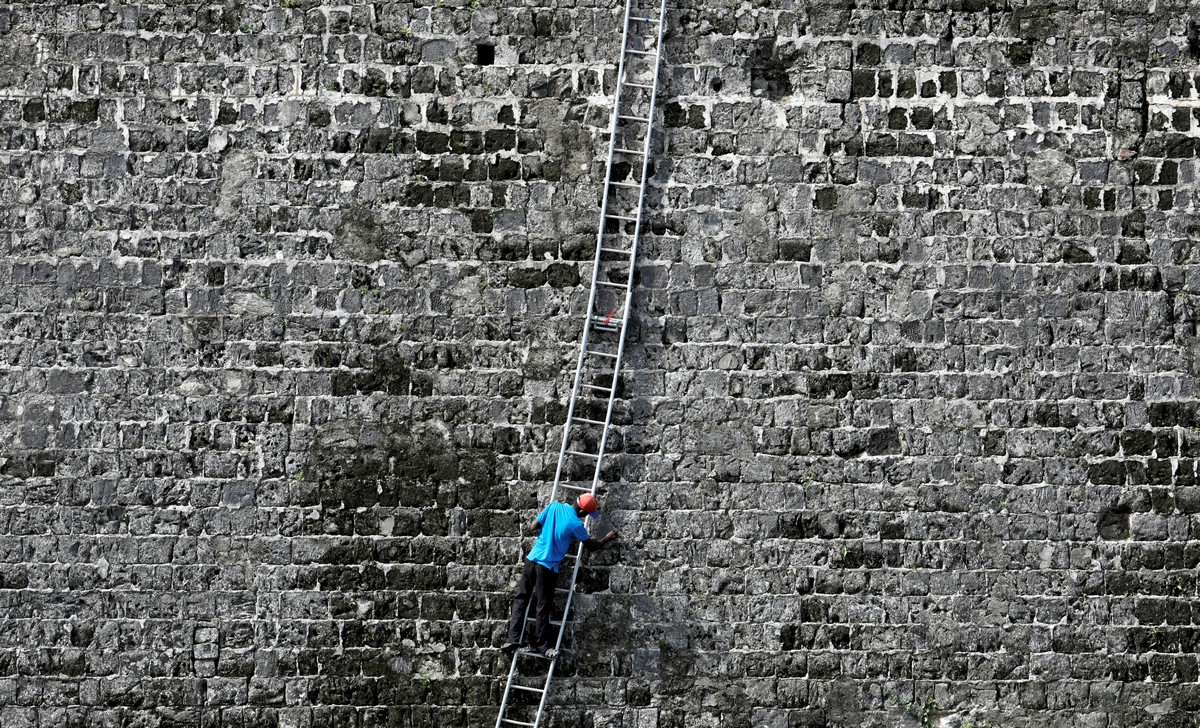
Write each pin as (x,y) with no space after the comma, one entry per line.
(525,588)
(543,606)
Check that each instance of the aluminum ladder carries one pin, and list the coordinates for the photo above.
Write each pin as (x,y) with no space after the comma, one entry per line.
(589,414)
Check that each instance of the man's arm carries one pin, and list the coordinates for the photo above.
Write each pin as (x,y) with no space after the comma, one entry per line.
(535,526)
(593,544)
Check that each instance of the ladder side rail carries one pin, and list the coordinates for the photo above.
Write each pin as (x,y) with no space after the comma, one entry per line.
(512,671)
(562,628)
(541,709)
(637,229)
(612,142)
(637,234)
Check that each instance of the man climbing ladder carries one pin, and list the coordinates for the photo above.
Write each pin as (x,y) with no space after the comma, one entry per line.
(558,526)
(590,408)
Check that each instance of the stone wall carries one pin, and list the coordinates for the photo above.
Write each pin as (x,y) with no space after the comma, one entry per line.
(289,298)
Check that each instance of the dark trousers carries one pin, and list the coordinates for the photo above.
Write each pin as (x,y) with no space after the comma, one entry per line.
(537,582)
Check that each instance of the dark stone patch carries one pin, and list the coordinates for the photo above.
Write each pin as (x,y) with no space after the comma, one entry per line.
(1137,442)
(359,235)
(1109,472)
(862,84)
(1034,23)
(41,465)
(789,637)
(432,142)
(883,442)
(504,169)
(389,372)
(948,80)
(562,275)
(769,66)
(1159,472)
(922,118)
(526,277)
(34,111)
(1075,254)
(86,111)
(319,116)
(809,524)
(868,54)
(1133,225)
(882,145)
(1020,53)
(1113,523)
(267,354)
(799,249)
(674,115)
(499,139)
(226,115)
(374,83)
(829,385)
(482,221)
(356,464)
(825,198)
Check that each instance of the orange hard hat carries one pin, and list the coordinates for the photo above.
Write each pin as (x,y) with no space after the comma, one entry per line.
(587,503)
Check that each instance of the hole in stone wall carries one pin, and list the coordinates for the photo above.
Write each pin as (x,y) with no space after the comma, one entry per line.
(485,55)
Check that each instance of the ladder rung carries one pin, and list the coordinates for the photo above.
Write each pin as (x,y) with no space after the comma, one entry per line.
(604,354)
(553,621)
(560,589)
(574,487)
(597,387)
(516,722)
(532,690)
(643,19)
(637,85)
(532,654)
(616,250)
(633,118)
(628,151)
(586,420)
(625,184)
(584,454)
(610,284)
(641,53)
(620,217)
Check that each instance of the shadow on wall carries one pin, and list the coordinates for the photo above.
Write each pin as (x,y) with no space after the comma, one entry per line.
(395,479)
(394,496)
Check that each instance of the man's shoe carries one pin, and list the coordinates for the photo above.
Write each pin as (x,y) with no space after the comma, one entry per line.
(548,652)
(510,647)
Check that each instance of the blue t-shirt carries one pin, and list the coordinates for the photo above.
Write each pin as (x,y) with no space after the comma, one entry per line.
(560,528)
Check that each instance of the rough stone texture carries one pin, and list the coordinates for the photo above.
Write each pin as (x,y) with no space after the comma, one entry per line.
(909,434)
